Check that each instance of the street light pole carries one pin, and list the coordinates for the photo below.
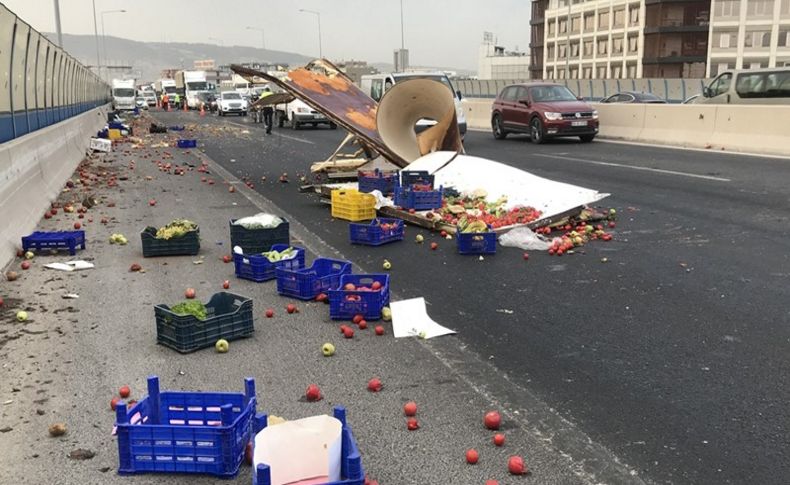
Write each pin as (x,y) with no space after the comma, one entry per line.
(318,15)
(103,37)
(263,38)
(96,35)
(57,23)
(402,42)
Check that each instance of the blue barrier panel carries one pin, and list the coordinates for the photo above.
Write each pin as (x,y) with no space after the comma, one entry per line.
(20,123)
(6,127)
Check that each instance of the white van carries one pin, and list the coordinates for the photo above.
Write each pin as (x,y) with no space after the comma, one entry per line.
(375,85)
(749,86)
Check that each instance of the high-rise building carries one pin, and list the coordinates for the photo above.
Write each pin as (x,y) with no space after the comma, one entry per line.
(748,34)
(401,60)
(600,39)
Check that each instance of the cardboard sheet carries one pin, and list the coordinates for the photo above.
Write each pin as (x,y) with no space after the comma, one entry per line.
(410,319)
(302,452)
(467,174)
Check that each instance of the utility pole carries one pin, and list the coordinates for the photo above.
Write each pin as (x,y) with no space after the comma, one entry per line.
(57,23)
(96,35)
(402,41)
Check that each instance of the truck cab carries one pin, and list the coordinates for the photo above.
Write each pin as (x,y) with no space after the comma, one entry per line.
(123,94)
(375,85)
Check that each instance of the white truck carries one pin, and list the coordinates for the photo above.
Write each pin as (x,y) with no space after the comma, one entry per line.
(375,85)
(123,94)
(191,84)
(165,86)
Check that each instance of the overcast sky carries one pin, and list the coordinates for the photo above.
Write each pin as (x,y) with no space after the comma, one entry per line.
(437,32)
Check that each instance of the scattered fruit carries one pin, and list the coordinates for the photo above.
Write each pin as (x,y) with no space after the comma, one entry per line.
(516,466)
(227,258)
(77,225)
(328,350)
(472,456)
(410,409)
(419,238)
(29,255)
(152,202)
(374,385)
(290,308)
(269,313)
(124,391)
(222,346)
(114,402)
(190,293)
(135,267)
(491,482)
(25,265)
(363,325)
(226,284)
(343,328)
(11,275)
(492,420)
(348,332)
(57,429)
(379,330)
(313,393)
(499,439)
(412,424)
(231,189)
(434,245)
(357,319)
(526,256)
(21,315)
(386,265)
(386,314)
(322,297)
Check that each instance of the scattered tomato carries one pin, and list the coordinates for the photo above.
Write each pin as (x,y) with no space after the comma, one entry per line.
(472,456)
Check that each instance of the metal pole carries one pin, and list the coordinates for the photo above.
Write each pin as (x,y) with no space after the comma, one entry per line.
(96,35)
(402,42)
(568,41)
(320,48)
(103,44)
(57,23)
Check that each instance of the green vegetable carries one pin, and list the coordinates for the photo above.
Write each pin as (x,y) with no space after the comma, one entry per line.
(190,307)
(177,228)
(274,256)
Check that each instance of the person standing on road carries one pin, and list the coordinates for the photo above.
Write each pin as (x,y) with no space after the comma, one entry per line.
(165,101)
(178,101)
(268,110)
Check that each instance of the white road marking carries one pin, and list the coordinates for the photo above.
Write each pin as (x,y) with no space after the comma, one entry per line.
(636,167)
(301,140)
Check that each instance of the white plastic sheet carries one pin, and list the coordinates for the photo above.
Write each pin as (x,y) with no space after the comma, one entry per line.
(70,265)
(467,174)
(305,451)
(524,238)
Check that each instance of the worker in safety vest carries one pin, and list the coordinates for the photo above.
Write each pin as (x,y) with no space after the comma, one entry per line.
(165,101)
(268,110)
(178,101)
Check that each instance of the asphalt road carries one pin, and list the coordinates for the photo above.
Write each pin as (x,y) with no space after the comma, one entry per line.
(673,355)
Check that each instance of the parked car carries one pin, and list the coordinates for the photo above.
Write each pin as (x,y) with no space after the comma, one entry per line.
(542,110)
(232,102)
(140,102)
(634,97)
(150,97)
(297,113)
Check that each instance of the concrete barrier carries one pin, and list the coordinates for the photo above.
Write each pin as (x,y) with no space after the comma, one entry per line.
(742,128)
(33,170)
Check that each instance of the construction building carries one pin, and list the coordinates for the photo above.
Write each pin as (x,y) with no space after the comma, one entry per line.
(494,62)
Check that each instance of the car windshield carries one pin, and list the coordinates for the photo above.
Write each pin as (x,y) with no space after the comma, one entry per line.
(230,95)
(170,89)
(551,93)
(123,92)
(441,79)
(198,85)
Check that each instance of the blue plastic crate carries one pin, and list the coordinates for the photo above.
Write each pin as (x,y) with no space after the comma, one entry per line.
(418,199)
(383,182)
(476,242)
(351,470)
(307,283)
(258,268)
(345,304)
(185,432)
(373,234)
(42,240)
(411,177)
(186,143)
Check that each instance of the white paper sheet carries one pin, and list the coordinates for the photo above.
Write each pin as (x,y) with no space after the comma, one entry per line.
(467,174)
(300,451)
(70,265)
(410,319)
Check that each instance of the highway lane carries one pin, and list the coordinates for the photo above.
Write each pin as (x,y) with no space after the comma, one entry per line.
(672,354)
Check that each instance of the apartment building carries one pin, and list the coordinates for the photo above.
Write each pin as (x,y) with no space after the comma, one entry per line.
(602,39)
(748,34)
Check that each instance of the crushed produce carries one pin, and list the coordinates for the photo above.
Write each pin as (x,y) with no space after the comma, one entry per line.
(177,228)
(191,307)
(474,226)
(275,256)
(475,208)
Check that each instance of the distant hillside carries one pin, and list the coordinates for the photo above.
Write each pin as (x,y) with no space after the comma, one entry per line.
(149,58)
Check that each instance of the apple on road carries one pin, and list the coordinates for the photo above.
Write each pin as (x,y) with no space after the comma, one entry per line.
(328,350)
(222,346)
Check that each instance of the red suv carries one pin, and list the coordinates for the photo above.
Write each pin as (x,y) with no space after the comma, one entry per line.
(543,111)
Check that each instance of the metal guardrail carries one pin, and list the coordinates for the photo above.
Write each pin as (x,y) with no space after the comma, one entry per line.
(673,90)
(40,83)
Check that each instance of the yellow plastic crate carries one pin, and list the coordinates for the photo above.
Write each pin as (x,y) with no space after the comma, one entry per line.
(353,205)
(114,133)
